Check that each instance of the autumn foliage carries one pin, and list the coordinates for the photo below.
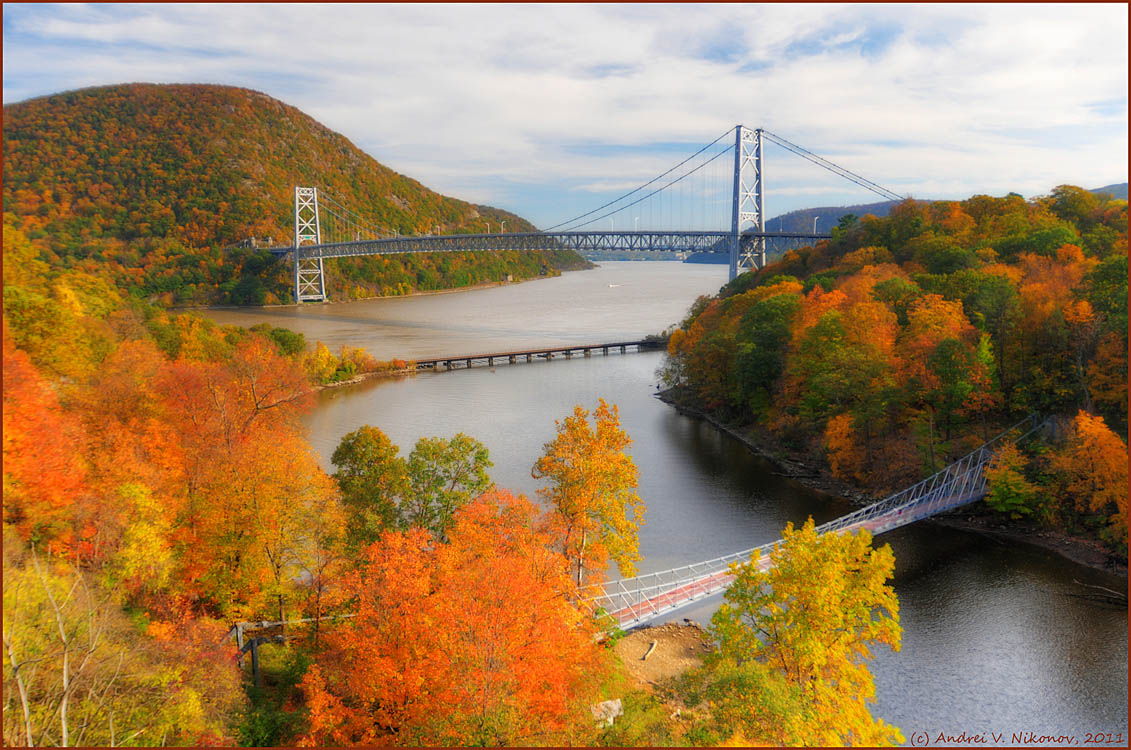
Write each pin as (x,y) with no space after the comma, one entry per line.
(1093,467)
(596,512)
(471,642)
(904,342)
(794,641)
(176,189)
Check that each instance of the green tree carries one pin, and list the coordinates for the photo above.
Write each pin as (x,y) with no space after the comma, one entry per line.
(1009,491)
(1073,204)
(762,341)
(443,476)
(372,480)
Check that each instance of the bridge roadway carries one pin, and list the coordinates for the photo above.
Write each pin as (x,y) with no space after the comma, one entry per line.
(450,363)
(581,242)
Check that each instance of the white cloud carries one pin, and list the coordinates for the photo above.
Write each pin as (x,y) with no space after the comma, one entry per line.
(485,101)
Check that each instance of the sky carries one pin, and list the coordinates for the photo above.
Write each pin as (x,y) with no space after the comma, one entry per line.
(551,110)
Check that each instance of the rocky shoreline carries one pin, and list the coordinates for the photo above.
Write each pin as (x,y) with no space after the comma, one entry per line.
(1085,552)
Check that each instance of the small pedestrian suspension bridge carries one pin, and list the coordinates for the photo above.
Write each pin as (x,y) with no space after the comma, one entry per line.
(633,602)
(712,201)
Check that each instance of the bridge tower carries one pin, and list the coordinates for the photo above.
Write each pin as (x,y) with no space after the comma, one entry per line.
(310,282)
(747,210)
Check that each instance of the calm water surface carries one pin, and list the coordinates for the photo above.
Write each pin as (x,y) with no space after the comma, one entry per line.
(993,638)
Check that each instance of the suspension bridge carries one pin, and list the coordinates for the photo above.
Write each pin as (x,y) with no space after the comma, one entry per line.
(632,602)
(713,201)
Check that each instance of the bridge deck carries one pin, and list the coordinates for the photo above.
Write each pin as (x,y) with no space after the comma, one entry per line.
(512,357)
(633,602)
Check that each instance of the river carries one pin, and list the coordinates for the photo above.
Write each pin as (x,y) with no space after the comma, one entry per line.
(994,638)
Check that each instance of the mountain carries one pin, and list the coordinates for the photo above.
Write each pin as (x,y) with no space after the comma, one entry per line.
(169,179)
(1117,190)
(824,218)
(802,220)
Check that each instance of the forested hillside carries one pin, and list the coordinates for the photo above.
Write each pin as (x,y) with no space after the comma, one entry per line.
(906,341)
(158,184)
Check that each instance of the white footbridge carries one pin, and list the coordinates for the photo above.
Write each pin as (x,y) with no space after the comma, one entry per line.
(632,602)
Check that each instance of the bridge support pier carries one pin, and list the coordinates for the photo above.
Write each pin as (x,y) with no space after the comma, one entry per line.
(747,209)
(310,280)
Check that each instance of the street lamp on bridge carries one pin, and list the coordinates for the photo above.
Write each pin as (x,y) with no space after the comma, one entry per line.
(815,224)
(635,223)
(504,229)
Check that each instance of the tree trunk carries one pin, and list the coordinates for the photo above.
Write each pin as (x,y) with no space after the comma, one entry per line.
(581,557)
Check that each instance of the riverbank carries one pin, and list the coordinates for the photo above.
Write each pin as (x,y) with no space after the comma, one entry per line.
(1087,552)
(361,377)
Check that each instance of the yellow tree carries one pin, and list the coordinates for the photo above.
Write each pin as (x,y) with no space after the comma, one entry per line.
(596,511)
(793,641)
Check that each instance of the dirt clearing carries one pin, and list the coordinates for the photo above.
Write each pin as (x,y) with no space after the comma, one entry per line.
(678,648)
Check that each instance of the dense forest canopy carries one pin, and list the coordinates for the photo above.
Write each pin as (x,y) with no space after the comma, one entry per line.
(906,341)
(159,183)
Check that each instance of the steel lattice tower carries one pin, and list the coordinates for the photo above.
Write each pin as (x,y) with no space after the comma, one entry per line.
(310,282)
(747,211)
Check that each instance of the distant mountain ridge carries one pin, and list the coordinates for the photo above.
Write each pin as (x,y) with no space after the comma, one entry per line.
(165,177)
(827,217)
(1116,190)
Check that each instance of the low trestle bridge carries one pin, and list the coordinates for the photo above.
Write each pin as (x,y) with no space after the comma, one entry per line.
(529,355)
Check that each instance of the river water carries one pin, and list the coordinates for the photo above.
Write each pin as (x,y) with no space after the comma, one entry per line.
(995,641)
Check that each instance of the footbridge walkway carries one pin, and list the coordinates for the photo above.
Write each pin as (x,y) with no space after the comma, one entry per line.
(632,602)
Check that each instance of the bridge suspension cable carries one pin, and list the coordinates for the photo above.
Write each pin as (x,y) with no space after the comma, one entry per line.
(655,179)
(658,190)
(346,225)
(834,168)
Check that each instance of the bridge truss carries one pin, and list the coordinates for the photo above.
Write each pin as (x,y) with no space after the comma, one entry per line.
(643,241)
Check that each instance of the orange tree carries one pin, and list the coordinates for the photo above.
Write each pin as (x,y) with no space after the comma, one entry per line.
(1092,468)
(469,642)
